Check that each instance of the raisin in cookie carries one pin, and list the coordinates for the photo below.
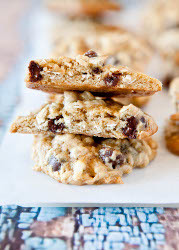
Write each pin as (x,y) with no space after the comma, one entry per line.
(172,134)
(91,8)
(89,73)
(82,160)
(85,114)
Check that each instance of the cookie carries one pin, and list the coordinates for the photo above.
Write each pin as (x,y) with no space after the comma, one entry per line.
(83,160)
(122,47)
(88,72)
(91,8)
(174,92)
(89,115)
(73,29)
(162,19)
(172,134)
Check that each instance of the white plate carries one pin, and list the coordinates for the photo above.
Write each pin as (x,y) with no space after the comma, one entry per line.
(157,184)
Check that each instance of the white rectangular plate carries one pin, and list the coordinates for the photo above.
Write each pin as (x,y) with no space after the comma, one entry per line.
(157,184)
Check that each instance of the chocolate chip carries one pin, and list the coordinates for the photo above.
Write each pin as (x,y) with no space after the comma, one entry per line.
(35,70)
(142,119)
(54,127)
(91,53)
(97,70)
(112,80)
(56,165)
(130,130)
(105,155)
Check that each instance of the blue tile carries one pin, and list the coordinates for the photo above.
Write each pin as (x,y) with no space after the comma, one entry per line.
(159,210)
(106,245)
(33,242)
(152,218)
(136,231)
(122,220)
(141,216)
(145,227)
(117,246)
(86,220)
(111,219)
(160,237)
(114,228)
(126,237)
(23,225)
(148,210)
(26,234)
(101,237)
(126,229)
(102,230)
(89,237)
(34,209)
(149,236)
(27,217)
(135,240)
(115,236)
(98,245)
(144,239)
(49,213)
(129,219)
(157,228)
(88,245)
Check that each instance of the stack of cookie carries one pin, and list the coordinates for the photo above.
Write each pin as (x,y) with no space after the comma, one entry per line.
(85,137)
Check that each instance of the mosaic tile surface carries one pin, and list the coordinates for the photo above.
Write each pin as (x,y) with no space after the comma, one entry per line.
(88,228)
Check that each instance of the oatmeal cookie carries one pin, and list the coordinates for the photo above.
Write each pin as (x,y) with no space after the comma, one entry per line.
(89,72)
(172,134)
(89,115)
(162,19)
(82,160)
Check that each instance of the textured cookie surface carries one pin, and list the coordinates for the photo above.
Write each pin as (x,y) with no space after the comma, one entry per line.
(81,160)
(85,114)
(172,134)
(89,73)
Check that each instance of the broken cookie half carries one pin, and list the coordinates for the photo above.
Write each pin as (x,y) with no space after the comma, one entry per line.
(88,72)
(83,113)
(82,160)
